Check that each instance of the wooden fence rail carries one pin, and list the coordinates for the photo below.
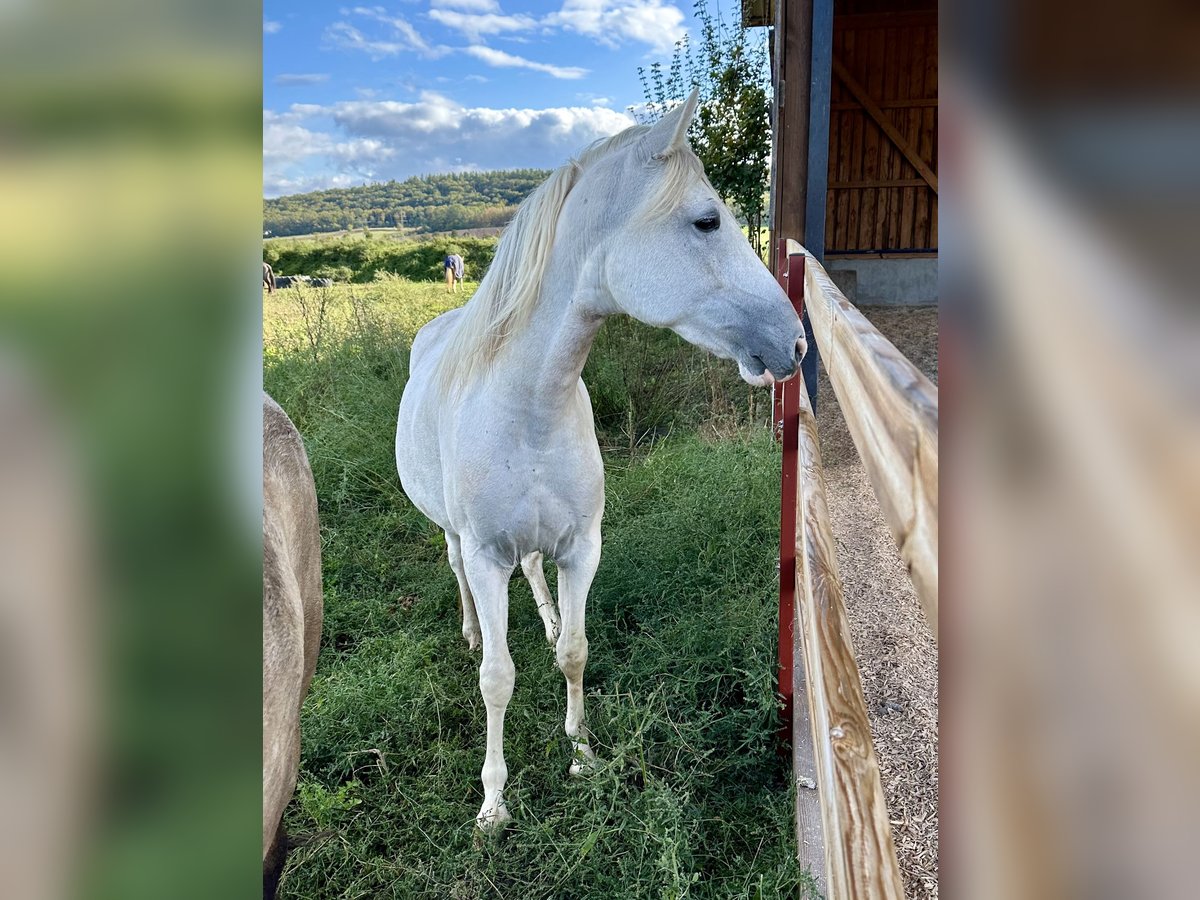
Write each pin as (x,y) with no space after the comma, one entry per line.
(859,857)
(891,409)
(842,827)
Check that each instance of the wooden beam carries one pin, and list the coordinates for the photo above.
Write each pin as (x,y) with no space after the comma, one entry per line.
(758,13)
(909,103)
(820,85)
(860,857)
(910,153)
(789,164)
(886,254)
(863,21)
(878,183)
(891,410)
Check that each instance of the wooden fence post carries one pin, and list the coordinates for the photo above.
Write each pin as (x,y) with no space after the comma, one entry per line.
(790,272)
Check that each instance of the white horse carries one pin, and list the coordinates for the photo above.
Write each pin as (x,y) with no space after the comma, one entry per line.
(496,442)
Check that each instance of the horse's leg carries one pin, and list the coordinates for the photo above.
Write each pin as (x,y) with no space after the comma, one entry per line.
(466,602)
(273,863)
(531,565)
(575,575)
(489,584)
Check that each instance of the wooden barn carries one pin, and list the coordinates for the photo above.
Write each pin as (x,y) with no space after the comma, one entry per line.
(854,166)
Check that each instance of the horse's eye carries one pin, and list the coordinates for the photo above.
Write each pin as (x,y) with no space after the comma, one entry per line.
(708,223)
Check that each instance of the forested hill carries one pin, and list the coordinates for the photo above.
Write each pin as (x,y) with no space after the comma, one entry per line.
(426,203)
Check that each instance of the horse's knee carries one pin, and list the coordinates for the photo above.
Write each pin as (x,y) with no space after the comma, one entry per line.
(572,655)
(496,679)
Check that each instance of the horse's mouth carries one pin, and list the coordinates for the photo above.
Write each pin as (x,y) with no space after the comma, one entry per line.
(755,372)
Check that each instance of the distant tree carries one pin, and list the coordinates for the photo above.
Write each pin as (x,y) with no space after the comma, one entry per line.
(424,203)
(731,132)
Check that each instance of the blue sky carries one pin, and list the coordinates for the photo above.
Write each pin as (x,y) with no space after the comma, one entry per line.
(368,93)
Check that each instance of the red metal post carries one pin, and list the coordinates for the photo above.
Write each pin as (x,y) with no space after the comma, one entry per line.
(790,272)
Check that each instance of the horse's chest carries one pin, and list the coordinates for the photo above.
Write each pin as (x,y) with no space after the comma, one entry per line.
(535,499)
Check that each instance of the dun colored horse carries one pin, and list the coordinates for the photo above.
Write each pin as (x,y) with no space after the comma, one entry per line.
(292,613)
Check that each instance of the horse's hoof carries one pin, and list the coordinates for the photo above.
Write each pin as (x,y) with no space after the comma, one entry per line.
(584,762)
(491,822)
(581,767)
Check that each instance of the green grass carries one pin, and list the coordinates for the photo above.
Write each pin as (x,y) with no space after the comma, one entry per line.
(689,798)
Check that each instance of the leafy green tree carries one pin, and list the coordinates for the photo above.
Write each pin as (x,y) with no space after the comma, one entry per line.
(731,132)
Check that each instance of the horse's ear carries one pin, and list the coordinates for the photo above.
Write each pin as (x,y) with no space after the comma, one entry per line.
(670,132)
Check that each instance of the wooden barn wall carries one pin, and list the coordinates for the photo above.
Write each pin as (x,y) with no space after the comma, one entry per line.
(878,200)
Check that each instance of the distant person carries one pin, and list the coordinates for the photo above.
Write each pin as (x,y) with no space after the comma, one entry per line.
(455,268)
(268,278)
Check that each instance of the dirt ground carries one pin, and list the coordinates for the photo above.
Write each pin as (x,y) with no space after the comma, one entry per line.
(896,653)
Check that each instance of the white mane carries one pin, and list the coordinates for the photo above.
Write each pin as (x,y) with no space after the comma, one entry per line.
(511,289)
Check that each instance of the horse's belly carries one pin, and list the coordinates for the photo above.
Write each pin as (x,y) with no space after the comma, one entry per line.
(418,459)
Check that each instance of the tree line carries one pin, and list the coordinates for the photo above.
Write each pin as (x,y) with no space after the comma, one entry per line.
(423,204)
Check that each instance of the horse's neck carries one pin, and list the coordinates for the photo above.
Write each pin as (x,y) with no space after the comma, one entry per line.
(543,361)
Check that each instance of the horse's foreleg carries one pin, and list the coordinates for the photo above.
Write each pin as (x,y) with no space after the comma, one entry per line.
(531,565)
(574,580)
(489,585)
(466,602)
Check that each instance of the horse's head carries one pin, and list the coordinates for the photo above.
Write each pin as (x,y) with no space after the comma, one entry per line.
(673,255)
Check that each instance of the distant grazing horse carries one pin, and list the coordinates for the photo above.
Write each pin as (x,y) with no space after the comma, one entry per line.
(455,269)
(495,440)
(269,278)
(292,613)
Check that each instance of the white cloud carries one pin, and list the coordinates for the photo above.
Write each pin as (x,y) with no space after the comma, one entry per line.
(362,151)
(378,140)
(475,5)
(285,144)
(401,36)
(399,25)
(506,60)
(301,80)
(656,23)
(475,25)
(346,37)
(651,22)
(288,148)
(270,27)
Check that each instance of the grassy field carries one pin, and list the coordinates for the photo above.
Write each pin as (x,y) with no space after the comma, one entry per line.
(690,798)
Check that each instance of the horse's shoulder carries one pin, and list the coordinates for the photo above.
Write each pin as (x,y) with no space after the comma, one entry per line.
(433,332)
